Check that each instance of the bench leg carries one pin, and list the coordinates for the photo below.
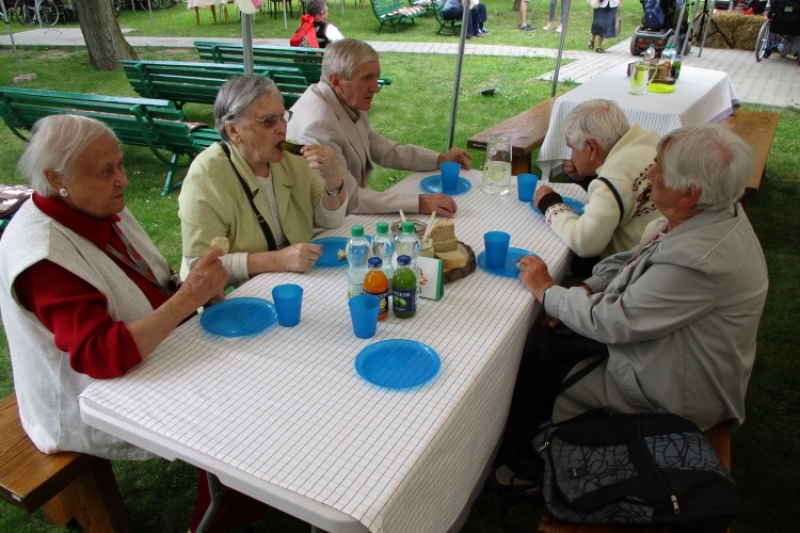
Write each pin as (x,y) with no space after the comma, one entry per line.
(170,184)
(225,12)
(521,165)
(93,500)
(197,15)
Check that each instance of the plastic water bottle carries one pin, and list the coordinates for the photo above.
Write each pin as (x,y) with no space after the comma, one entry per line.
(383,247)
(650,53)
(668,57)
(358,252)
(407,243)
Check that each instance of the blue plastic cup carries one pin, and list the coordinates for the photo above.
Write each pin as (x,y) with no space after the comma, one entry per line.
(364,314)
(526,186)
(496,243)
(450,172)
(288,300)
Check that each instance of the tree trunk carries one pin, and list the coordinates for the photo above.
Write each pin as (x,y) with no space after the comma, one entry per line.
(516,5)
(103,36)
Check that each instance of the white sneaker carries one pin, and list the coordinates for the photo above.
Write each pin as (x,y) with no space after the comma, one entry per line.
(548,26)
(558,30)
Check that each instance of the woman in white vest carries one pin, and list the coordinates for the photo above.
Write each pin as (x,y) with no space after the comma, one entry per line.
(84,292)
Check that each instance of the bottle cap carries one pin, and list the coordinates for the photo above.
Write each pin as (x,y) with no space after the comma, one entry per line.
(404,259)
(357,231)
(408,227)
(375,262)
(382,227)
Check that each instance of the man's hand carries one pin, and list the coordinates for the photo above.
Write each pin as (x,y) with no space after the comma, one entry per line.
(540,192)
(533,273)
(206,280)
(300,257)
(441,203)
(456,155)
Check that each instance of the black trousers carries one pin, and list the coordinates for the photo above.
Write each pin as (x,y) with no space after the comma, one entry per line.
(547,358)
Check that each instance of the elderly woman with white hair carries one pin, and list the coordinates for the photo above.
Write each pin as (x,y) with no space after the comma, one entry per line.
(609,159)
(85,294)
(249,190)
(671,324)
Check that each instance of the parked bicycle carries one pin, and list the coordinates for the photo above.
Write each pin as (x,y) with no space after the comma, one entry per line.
(25,11)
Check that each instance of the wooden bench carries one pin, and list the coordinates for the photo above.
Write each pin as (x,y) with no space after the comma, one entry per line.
(720,438)
(446,27)
(64,485)
(757,128)
(527,131)
(182,82)
(156,124)
(394,12)
(308,60)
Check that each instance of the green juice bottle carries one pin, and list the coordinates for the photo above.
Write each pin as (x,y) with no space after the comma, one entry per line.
(404,289)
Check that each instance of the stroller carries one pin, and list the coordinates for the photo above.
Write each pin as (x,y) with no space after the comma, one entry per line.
(662,31)
(781,31)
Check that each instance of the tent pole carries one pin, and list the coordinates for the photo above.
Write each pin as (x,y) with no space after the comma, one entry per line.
(247,43)
(565,6)
(457,86)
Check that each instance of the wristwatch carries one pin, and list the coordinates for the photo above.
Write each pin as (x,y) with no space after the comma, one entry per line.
(336,192)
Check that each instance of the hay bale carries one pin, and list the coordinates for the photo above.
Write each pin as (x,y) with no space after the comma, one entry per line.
(741,30)
(747,30)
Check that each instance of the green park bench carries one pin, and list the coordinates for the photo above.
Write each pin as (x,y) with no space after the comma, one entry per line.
(394,12)
(446,27)
(183,82)
(308,60)
(156,124)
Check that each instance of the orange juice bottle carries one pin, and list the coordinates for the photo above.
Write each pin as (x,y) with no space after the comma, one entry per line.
(376,284)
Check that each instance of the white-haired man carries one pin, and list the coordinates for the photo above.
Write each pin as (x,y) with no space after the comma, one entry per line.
(333,113)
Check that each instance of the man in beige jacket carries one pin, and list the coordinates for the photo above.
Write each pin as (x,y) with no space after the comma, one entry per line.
(333,113)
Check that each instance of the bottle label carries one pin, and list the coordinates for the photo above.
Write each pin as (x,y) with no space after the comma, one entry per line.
(404,301)
(383,297)
(355,289)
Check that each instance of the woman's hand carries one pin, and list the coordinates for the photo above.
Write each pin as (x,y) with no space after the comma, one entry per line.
(572,171)
(300,257)
(321,158)
(541,191)
(206,280)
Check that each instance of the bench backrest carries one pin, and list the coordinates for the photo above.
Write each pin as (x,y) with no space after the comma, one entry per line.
(307,60)
(137,121)
(382,8)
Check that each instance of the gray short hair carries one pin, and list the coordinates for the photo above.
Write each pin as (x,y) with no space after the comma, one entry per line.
(600,120)
(57,142)
(345,56)
(317,7)
(710,158)
(236,95)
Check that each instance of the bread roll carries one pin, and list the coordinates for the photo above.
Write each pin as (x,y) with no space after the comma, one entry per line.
(221,243)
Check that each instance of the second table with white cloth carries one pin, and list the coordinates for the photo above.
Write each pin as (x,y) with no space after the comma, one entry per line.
(701,96)
(284,417)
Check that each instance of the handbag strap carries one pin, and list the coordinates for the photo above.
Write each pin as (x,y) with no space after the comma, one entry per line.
(582,373)
(616,197)
(261,222)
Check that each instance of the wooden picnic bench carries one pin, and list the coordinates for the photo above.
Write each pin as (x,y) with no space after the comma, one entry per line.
(64,485)
(308,60)
(153,123)
(183,82)
(720,438)
(527,131)
(446,27)
(756,128)
(395,12)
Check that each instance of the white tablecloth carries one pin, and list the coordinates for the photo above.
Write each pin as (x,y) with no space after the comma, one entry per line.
(287,409)
(701,96)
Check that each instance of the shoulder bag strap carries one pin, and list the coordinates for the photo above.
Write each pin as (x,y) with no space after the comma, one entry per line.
(616,196)
(582,373)
(261,222)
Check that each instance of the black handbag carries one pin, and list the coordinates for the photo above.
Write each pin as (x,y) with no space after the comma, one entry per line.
(635,469)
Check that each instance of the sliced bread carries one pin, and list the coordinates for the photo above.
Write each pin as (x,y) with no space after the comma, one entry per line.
(454,259)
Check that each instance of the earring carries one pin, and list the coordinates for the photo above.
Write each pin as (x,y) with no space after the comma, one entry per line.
(63,192)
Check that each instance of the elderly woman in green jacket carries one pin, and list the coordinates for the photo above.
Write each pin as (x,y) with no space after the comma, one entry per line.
(265,201)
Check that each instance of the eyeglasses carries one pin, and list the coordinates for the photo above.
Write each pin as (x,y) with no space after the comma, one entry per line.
(271,120)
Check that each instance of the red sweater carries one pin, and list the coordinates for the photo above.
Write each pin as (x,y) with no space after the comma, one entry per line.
(73,309)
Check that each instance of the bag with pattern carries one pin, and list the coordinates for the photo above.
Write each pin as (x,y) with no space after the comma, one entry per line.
(636,469)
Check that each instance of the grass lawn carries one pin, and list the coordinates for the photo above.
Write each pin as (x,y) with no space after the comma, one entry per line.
(414,109)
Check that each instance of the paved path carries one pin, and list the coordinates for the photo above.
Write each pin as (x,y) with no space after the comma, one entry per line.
(772,82)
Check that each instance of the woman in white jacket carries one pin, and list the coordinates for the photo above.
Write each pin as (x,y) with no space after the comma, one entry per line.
(604,22)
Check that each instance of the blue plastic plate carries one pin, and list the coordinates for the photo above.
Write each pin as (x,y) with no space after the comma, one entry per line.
(398,363)
(573,204)
(330,250)
(238,317)
(433,184)
(508,270)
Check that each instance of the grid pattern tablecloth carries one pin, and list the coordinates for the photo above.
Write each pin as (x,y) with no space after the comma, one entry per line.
(286,407)
(701,96)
